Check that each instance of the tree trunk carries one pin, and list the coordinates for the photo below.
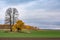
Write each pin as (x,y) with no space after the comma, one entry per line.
(10,24)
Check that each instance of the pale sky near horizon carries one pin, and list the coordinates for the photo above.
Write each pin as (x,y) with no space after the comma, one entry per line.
(42,13)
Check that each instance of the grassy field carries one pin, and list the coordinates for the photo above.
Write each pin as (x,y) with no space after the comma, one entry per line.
(33,34)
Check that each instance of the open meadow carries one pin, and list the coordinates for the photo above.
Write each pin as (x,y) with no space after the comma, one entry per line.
(33,34)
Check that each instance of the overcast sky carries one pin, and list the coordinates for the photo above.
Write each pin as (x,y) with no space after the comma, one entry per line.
(43,13)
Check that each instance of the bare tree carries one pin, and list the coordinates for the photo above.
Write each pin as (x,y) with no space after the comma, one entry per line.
(11,16)
(15,15)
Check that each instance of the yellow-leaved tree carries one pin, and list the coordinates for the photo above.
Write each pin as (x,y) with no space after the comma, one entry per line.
(18,26)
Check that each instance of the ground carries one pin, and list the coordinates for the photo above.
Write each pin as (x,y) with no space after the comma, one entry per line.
(33,34)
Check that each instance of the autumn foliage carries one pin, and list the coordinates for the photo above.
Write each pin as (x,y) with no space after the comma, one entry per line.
(20,25)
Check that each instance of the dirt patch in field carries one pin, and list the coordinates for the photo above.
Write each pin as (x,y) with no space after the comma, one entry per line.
(29,38)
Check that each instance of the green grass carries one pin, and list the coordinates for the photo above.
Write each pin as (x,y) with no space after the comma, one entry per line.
(37,34)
